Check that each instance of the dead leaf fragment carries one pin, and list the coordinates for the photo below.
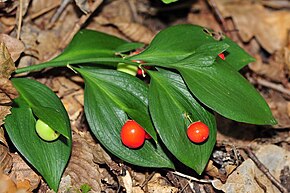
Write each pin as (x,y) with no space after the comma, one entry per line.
(248,178)
(82,169)
(23,175)
(158,184)
(136,32)
(6,63)
(269,27)
(14,46)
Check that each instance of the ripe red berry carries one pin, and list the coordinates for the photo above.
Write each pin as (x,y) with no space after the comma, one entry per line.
(222,56)
(198,132)
(132,134)
(139,72)
(147,136)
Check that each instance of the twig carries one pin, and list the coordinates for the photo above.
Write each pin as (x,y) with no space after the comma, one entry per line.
(20,18)
(218,14)
(43,11)
(277,87)
(79,24)
(58,12)
(264,169)
(191,177)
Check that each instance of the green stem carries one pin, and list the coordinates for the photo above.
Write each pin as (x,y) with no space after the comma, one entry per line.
(76,61)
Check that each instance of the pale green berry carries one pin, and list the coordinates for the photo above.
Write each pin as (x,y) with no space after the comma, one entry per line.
(45,132)
(127,68)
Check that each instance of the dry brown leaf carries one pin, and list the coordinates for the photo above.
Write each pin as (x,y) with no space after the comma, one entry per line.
(279,108)
(8,185)
(118,11)
(136,32)
(158,184)
(5,157)
(269,27)
(83,5)
(203,17)
(7,91)
(6,63)
(23,174)
(82,168)
(14,46)
(248,178)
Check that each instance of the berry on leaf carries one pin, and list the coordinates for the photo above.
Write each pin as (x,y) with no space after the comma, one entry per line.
(132,134)
(147,136)
(222,56)
(45,132)
(197,132)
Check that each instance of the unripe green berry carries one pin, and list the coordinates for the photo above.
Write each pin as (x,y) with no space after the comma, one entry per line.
(45,132)
(127,68)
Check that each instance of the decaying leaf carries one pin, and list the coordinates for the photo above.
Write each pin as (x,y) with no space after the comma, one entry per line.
(269,27)
(248,178)
(23,174)
(83,170)
(158,184)
(83,5)
(6,63)
(5,157)
(14,46)
(279,108)
(7,91)
(136,32)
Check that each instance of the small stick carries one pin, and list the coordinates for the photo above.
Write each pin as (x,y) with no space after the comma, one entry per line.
(58,12)
(20,18)
(277,87)
(218,14)
(79,24)
(68,37)
(191,177)
(43,11)
(264,169)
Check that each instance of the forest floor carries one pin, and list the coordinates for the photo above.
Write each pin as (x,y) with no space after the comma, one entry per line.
(246,158)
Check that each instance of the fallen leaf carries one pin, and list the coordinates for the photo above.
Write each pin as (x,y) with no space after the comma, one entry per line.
(279,107)
(6,63)
(14,46)
(248,178)
(82,169)
(269,27)
(5,157)
(23,174)
(157,184)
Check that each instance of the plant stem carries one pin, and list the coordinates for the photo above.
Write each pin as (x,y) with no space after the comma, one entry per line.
(76,61)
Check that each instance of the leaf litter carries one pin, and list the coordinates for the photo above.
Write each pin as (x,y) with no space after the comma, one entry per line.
(260,27)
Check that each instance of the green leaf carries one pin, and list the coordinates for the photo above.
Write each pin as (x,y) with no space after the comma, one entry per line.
(87,46)
(128,47)
(44,103)
(112,96)
(170,103)
(205,55)
(178,42)
(49,158)
(224,90)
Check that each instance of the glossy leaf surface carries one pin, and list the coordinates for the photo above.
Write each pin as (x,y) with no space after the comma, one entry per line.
(170,103)
(178,42)
(49,158)
(111,98)
(225,91)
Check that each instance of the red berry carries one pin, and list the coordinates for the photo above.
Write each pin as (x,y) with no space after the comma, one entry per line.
(222,56)
(147,136)
(198,132)
(132,134)
(139,72)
